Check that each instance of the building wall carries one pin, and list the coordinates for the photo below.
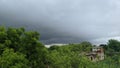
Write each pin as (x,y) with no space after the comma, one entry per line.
(96,54)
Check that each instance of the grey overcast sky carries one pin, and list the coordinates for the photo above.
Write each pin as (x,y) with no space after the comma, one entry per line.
(65,21)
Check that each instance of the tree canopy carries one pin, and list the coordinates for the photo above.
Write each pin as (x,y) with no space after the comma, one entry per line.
(22,49)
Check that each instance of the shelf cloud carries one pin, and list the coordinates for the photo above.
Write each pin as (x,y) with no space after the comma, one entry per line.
(64,21)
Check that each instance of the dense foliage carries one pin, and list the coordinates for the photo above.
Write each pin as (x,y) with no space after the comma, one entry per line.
(22,49)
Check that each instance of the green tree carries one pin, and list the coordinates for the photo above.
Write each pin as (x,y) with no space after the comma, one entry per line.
(114,45)
(68,56)
(11,59)
(25,42)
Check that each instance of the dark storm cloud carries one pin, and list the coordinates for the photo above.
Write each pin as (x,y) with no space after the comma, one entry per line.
(65,20)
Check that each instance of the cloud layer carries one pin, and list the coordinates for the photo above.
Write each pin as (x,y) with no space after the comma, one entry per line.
(65,21)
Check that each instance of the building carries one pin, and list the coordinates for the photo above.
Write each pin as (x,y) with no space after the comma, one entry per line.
(96,54)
